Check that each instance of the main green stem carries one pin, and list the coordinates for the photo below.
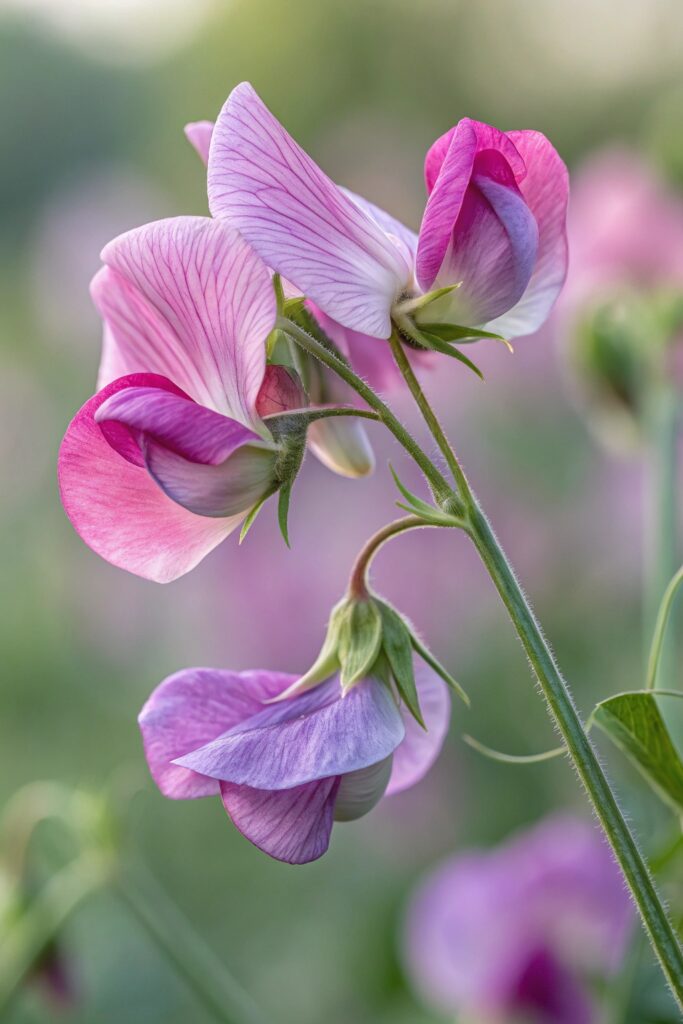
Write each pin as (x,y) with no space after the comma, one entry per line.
(543,664)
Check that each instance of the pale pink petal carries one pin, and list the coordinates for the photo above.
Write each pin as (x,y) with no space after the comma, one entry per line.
(454,155)
(113,362)
(342,445)
(292,825)
(362,790)
(193,707)
(419,749)
(300,222)
(546,190)
(118,509)
(190,299)
(394,228)
(198,134)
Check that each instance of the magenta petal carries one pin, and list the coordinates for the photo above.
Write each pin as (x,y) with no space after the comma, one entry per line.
(119,511)
(300,223)
(193,707)
(312,736)
(188,298)
(198,134)
(546,191)
(292,825)
(419,749)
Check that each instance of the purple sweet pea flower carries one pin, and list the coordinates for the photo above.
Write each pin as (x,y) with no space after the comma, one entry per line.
(494,224)
(516,933)
(286,770)
(170,455)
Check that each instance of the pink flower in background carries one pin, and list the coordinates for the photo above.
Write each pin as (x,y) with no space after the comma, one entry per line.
(285,771)
(169,456)
(493,224)
(518,931)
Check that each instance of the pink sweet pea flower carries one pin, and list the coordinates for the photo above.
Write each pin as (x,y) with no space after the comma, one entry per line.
(515,933)
(494,224)
(170,455)
(286,771)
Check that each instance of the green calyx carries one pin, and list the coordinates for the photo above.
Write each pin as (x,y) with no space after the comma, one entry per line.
(367,637)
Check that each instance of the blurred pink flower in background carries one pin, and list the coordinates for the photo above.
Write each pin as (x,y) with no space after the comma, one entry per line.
(518,932)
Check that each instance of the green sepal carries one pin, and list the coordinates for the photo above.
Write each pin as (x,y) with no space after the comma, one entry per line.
(292,444)
(253,513)
(456,332)
(435,664)
(435,344)
(412,306)
(298,314)
(397,646)
(279,294)
(283,511)
(360,640)
(635,725)
(421,508)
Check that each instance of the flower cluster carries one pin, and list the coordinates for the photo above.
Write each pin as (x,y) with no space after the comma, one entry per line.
(206,404)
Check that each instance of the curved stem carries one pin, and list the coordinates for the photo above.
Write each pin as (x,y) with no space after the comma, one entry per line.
(435,479)
(175,937)
(358,579)
(660,629)
(428,413)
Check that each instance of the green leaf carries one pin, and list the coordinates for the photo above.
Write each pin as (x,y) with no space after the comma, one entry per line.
(635,725)
(435,664)
(360,640)
(431,341)
(455,332)
(399,651)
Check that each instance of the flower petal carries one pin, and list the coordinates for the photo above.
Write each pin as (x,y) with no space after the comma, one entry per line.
(188,298)
(312,736)
(292,825)
(116,507)
(300,223)
(419,749)
(546,191)
(198,134)
(476,226)
(360,791)
(342,445)
(193,707)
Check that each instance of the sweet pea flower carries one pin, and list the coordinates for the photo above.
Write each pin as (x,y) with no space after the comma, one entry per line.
(285,771)
(493,229)
(516,933)
(172,452)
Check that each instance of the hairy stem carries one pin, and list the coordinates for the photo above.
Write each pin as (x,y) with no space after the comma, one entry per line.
(358,586)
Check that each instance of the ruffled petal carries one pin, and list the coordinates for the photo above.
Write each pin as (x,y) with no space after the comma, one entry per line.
(193,707)
(312,736)
(198,134)
(292,825)
(546,191)
(118,509)
(300,223)
(448,167)
(188,298)
(419,750)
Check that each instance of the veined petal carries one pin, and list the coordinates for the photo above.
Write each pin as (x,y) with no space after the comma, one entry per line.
(118,509)
(419,749)
(198,134)
(342,445)
(292,825)
(312,736)
(453,194)
(546,191)
(187,297)
(300,223)
(193,707)
(392,227)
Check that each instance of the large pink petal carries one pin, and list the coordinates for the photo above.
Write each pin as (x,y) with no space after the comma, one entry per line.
(118,509)
(292,825)
(193,707)
(419,749)
(448,169)
(190,299)
(298,221)
(199,134)
(546,191)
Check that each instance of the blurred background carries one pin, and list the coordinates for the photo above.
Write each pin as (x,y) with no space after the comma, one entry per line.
(93,98)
